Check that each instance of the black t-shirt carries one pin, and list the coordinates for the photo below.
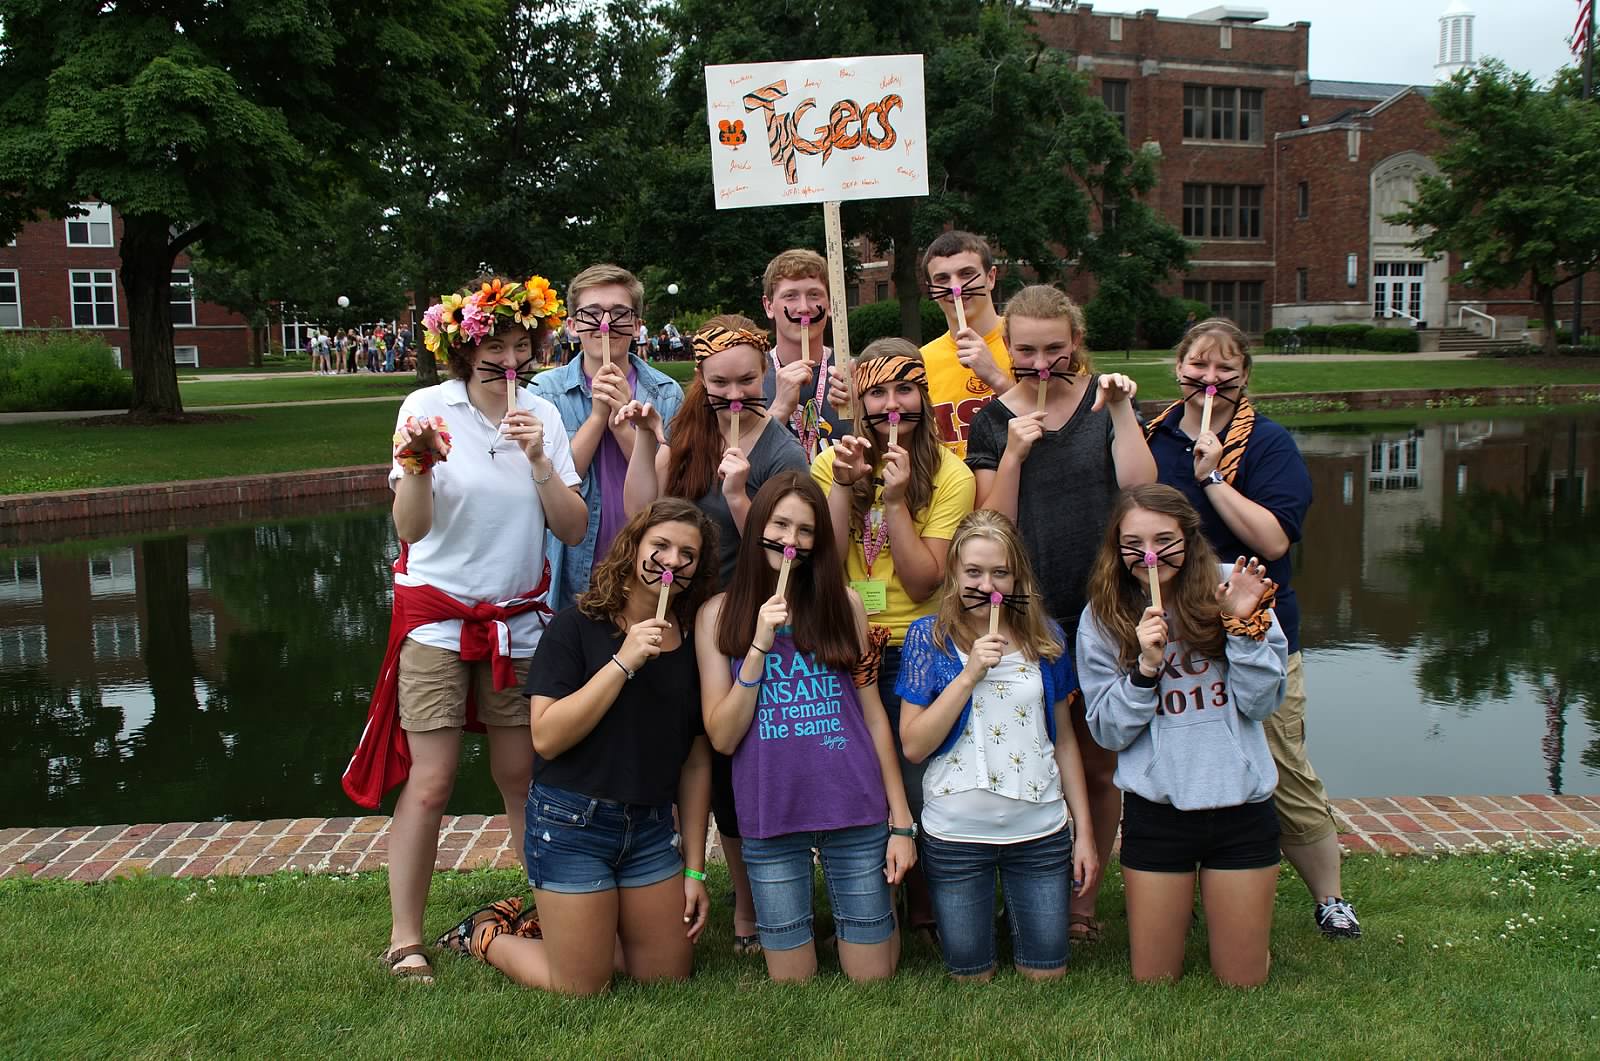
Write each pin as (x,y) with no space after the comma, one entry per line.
(1064,497)
(636,751)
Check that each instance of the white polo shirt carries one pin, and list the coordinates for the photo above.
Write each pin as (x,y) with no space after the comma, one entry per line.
(487,539)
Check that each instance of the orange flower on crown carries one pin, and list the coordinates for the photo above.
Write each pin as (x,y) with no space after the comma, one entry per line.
(539,302)
(495,294)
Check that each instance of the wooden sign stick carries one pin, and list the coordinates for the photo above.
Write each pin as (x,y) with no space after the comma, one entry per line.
(839,310)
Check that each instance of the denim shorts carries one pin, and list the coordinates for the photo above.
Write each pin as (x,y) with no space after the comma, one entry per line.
(852,867)
(577,845)
(1160,838)
(1036,877)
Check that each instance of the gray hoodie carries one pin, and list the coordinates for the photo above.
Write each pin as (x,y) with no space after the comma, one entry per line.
(1193,740)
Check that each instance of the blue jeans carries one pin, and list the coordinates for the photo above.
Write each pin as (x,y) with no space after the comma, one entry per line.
(576,845)
(1036,876)
(910,772)
(852,867)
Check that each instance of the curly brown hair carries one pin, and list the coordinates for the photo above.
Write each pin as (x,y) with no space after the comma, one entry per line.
(462,358)
(614,579)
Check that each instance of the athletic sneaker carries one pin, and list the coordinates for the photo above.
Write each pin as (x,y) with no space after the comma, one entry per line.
(1337,919)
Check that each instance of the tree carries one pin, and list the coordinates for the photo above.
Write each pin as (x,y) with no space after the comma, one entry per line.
(1017,150)
(1517,198)
(202,123)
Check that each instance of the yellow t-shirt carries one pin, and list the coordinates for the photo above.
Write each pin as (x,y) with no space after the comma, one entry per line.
(957,393)
(953,492)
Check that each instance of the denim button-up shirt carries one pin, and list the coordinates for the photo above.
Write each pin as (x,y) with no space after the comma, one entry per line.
(565,388)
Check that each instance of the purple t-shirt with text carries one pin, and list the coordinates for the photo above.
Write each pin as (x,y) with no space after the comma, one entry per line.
(807,763)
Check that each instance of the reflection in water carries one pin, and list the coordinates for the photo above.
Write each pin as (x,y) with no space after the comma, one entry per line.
(1448,582)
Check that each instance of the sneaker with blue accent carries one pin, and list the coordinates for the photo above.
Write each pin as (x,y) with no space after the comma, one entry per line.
(1337,919)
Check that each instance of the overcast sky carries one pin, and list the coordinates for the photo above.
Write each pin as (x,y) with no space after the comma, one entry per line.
(1398,40)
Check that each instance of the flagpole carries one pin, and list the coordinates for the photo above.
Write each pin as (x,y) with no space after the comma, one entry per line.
(1588,94)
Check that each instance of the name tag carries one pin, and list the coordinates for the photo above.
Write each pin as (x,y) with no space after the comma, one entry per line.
(874,594)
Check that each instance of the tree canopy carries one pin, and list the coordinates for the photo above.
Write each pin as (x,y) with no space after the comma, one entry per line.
(1517,199)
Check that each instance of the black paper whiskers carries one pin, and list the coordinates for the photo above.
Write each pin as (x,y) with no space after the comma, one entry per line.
(974,599)
(874,419)
(619,320)
(1170,554)
(1227,390)
(655,567)
(1021,374)
(806,317)
(940,293)
(800,555)
(735,405)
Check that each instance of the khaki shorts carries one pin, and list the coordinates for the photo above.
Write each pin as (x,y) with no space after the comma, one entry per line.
(1304,816)
(434,684)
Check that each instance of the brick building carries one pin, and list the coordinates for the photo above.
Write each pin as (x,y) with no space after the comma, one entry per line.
(1281,181)
(67,275)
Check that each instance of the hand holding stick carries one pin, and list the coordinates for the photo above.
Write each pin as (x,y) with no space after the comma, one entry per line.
(1205,410)
(1152,563)
(666,588)
(995,600)
(783,571)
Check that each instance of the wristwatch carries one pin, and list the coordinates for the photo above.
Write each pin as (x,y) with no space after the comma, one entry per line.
(1214,479)
(911,832)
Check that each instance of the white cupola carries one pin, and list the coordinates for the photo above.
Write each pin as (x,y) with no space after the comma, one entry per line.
(1455,41)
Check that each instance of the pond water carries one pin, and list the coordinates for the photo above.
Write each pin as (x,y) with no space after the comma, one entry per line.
(1449,582)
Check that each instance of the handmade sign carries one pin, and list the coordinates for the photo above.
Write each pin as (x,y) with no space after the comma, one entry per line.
(819,130)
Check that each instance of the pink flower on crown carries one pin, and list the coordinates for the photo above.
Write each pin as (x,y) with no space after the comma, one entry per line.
(475,323)
(430,319)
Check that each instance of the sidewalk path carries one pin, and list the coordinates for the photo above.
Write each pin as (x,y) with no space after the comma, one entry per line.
(1394,825)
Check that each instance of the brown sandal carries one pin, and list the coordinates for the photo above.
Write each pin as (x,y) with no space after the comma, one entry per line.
(1083,928)
(410,974)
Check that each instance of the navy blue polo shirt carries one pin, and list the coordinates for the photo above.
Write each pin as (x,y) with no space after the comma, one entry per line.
(1271,473)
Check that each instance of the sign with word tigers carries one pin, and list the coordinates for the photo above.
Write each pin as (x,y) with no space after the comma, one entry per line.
(817,130)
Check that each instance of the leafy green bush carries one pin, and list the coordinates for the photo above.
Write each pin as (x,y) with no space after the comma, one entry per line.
(40,372)
(881,320)
(689,320)
(1349,336)
(1163,327)
(1110,323)
(1276,338)
(1393,340)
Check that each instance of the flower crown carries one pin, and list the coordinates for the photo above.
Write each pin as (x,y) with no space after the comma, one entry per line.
(458,319)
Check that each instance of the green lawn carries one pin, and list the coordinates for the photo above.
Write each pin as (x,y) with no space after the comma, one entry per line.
(67,454)
(286,966)
(295,389)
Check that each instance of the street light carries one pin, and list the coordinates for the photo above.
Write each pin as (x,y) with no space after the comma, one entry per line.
(672,289)
(344,301)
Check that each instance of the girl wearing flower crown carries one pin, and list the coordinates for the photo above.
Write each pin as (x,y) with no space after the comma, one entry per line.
(986,686)
(895,494)
(724,447)
(481,469)
(814,763)
(1181,660)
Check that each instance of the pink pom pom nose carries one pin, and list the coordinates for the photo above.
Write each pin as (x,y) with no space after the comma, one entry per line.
(955,290)
(805,320)
(788,552)
(1151,559)
(997,598)
(666,577)
(605,327)
(511,373)
(736,407)
(894,417)
(1044,373)
(1211,391)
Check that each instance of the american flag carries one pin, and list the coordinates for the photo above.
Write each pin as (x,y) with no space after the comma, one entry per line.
(1580,29)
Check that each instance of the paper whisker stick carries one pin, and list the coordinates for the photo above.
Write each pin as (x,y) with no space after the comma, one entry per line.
(783,571)
(1205,411)
(1044,387)
(666,586)
(894,428)
(805,338)
(511,390)
(995,600)
(735,408)
(1152,562)
(961,309)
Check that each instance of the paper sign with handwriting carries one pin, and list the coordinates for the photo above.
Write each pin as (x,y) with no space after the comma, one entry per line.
(817,130)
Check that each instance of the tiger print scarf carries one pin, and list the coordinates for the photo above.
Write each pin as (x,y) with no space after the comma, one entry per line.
(1234,439)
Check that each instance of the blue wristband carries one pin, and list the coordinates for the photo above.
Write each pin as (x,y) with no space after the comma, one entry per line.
(749,685)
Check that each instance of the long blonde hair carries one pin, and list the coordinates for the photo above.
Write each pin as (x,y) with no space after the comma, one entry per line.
(1117,595)
(927,452)
(1032,628)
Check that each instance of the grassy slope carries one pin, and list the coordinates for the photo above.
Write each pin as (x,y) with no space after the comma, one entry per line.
(284,966)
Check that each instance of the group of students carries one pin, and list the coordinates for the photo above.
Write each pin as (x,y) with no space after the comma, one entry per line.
(344,352)
(955,614)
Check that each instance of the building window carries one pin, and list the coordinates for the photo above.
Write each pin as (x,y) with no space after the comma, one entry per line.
(94,298)
(296,336)
(1114,94)
(880,291)
(93,229)
(186,355)
(1238,300)
(1302,199)
(1212,112)
(19,580)
(852,295)
(1225,38)
(1302,285)
(10,299)
(182,299)
(1108,217)
(1222,211)
(23,645)
(1116,28)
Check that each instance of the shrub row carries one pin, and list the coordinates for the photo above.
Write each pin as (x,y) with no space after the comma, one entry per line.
(1531,350)
(1343,336)
(881,320)
(40,372)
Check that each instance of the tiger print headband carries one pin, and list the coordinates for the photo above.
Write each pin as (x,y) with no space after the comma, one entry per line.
(877,372)
(713,339)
